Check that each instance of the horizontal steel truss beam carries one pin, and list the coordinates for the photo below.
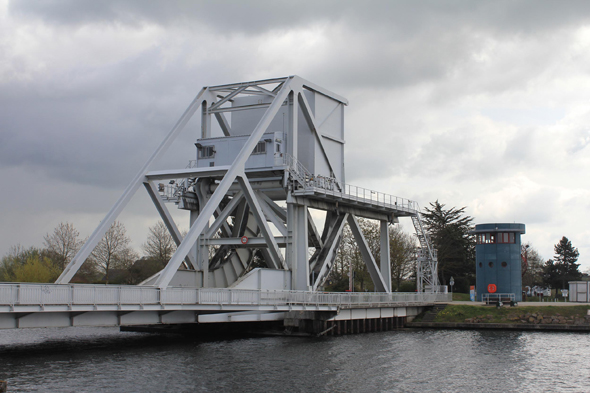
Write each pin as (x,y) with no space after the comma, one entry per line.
(253,242)
(335,206)
(187,173)
(261,82)
(242,316)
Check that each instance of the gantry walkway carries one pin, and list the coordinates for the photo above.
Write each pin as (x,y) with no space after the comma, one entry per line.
(46,305)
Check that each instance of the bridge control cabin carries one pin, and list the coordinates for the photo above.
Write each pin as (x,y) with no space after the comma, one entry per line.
(267,155)
(309,128)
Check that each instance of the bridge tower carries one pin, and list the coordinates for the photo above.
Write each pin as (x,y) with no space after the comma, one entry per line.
(249,191)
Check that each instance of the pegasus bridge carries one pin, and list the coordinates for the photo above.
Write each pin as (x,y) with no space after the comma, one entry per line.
(269,162)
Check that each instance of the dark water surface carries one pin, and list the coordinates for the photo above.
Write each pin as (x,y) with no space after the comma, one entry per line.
(105,360)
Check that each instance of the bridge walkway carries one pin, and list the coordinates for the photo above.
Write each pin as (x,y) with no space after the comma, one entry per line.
(50,305)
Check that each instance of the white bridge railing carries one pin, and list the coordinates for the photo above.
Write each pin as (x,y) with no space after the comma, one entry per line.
(330,186)
(72,294)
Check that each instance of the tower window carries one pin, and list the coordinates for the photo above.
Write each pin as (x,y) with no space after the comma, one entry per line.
(260,148)
(207,152)
(506,237)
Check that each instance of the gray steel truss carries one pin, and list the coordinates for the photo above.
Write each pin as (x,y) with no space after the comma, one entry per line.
(244,216)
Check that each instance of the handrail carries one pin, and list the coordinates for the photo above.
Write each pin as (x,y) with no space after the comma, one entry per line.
(331,186)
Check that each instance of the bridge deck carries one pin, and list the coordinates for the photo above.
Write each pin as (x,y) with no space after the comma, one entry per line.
(41,304)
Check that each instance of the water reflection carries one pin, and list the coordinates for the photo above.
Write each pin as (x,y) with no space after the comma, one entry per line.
(102,359)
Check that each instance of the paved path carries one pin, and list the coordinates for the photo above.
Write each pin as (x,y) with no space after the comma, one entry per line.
(524,304)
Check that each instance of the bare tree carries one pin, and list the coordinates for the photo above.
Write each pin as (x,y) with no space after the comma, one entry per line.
(401,254)
(159,245)
(533,275)
(349,257)
(63,243)
(113,250)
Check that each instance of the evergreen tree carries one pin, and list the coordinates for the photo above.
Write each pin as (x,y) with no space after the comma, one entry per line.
(563,267)
(449,232)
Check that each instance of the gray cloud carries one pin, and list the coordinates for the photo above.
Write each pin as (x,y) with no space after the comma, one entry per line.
(447,99)
(399,17)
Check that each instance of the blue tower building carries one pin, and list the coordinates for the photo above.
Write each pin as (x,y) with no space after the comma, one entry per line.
(498,260)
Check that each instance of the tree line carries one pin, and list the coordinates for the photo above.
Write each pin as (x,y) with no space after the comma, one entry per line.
(115,261)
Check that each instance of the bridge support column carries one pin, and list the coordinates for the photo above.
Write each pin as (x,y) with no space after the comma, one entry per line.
(297,246)
(385,263)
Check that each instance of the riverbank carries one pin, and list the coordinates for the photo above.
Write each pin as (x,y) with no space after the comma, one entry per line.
(544,316)
(498,326)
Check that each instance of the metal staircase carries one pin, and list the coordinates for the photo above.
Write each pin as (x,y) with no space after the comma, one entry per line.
(427,263)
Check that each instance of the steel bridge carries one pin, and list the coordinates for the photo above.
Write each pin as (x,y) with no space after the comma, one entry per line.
(268,154)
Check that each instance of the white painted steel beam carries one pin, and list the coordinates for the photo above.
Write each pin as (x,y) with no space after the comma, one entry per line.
(230,86)
(236,169)
(271,216)
(263,90)
(372,267)
(277,259)
(309,117)
(315,236)
(215,171)
(223,123)
(227,98)
(312,86)
(167,218)
(244,316)
(385,261)
(112,215)
(255,242)
(279,211)
(222,217)
(328,251)
(300,256)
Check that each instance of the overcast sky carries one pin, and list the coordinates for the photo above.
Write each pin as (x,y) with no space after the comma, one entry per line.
(479,104)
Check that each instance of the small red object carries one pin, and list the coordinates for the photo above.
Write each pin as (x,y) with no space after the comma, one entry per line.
(492,288)
(244,239)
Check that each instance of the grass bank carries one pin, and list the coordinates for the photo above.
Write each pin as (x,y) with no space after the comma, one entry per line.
(520,314)
(461,297)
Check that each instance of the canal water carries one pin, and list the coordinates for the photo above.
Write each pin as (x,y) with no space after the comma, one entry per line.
(106,360)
